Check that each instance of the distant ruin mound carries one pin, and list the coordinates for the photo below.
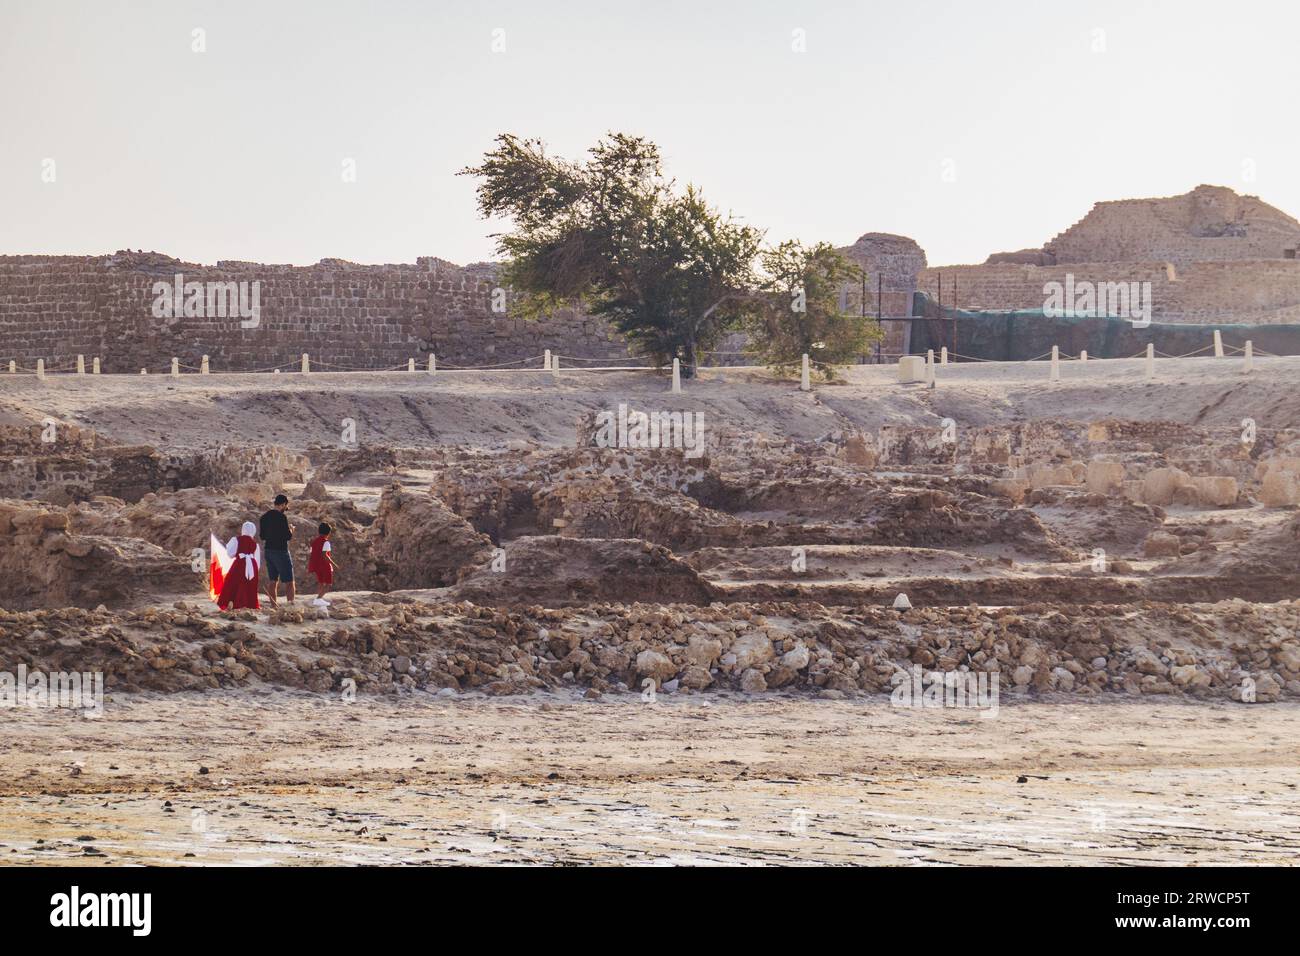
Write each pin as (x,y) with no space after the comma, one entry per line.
(1208,224)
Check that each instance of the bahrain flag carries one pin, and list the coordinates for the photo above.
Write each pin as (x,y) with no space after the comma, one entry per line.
(218,566)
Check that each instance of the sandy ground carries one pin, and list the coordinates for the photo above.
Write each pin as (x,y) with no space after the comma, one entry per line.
(486,408)
(305,779)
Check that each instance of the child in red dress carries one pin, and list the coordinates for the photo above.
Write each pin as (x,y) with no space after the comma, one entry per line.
(320,563)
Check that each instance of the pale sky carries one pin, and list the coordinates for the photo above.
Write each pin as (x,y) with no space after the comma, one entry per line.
(972,127)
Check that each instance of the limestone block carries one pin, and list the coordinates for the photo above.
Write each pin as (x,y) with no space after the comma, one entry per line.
(1280,488)
(1162,545)
(1219,491)
(1161,485)
(1105,477)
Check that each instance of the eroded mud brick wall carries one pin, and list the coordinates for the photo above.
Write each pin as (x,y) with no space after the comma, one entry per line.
(56,307)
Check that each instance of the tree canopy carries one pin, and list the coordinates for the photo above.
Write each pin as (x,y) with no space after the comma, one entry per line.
(615,236)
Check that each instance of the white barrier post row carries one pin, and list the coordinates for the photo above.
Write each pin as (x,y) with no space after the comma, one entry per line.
(1083,355)
(204,367)
(1250,356)
(40,369)
(176,368)
(94,365)
(943,355)
(805,381)
(1056,363)
(433,364)
(1218,344)
(1151,361)
(306,364)
(677,376)
(81,365)
(929,367)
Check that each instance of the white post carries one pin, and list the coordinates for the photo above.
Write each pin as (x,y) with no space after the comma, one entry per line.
(1151,361)
(81,365)
(943,355)
(94,365)
(555,364)
(306,364)
(1218,344)
(176,368)
(677,376)
(144,371)
(929,367)
(40,369)
(204,367)
(410,365)
(546,360)
(1250,356)
(13,367)
(805,381)
(1083,355)
(433,364)
(1056,363)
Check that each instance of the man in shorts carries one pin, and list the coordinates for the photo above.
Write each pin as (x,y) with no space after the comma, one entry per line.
(276,533)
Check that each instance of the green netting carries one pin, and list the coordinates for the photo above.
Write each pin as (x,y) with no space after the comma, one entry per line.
(1022,334)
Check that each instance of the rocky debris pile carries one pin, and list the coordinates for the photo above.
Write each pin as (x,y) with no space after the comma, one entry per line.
(1230,650)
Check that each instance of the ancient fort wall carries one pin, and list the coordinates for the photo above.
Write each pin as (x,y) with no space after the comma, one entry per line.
(56,307)
(1251,291)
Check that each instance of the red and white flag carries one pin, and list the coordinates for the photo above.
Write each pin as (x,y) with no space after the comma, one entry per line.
(218,566)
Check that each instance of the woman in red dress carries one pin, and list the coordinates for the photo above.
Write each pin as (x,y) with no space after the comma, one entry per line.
(239,590)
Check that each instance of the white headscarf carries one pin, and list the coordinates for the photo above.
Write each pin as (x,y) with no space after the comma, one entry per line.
(251,561)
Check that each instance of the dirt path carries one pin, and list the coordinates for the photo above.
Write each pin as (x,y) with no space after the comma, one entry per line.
(298,778)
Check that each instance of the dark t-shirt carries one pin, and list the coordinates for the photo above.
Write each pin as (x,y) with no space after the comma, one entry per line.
(275,531)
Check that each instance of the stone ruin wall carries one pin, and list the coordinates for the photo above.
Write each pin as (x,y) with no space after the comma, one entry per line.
(56,307)
(1208,224)
(1251,291)
(1210,255)
(892,264)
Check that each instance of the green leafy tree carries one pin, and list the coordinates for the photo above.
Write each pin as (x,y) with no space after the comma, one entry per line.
(803,315)
(614,236)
